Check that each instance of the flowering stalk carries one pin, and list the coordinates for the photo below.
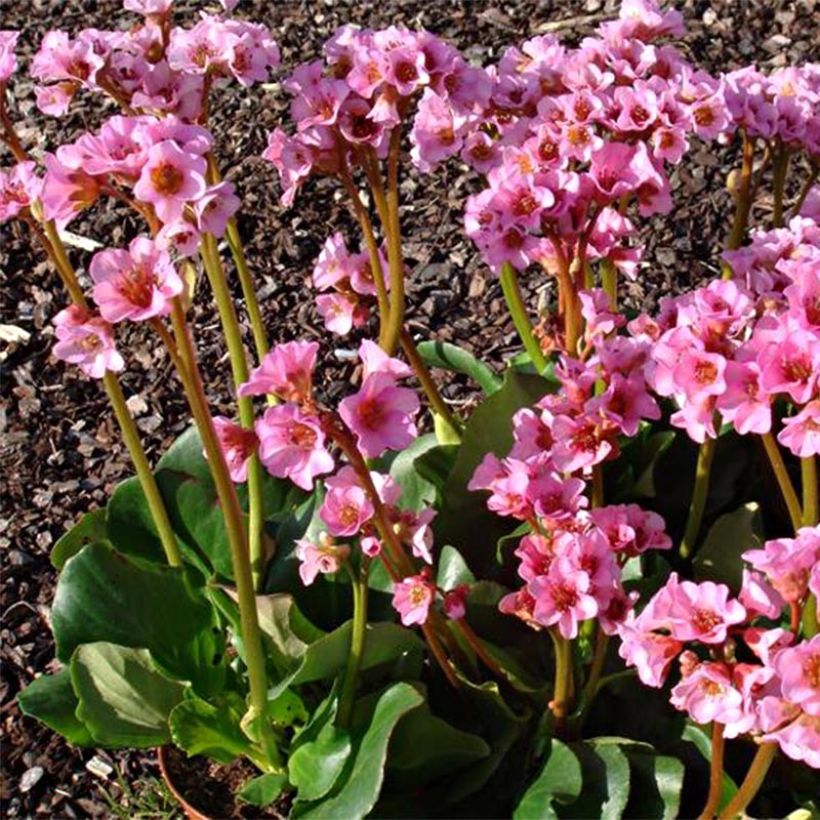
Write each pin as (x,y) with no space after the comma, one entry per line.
(357,639)
(474,642)
(182,353)
(562,690)
(239,367)
(743,200)
(753,781)
(594,676)
(703,469)
(808,469)
(780,170)
(394,252)
(518,312)
(609,281)
(783,480)
(715,773)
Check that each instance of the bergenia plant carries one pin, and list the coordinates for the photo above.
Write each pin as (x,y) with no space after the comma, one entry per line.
(564,602)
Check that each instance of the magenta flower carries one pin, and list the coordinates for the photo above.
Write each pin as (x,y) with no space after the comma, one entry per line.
(801,432)
(744,403)
(286,372)
(455,602)
(238,445)
(135,284)
(170,179)
(346,506)
(292,445)
(215,207)
(8,61)
(87,340)
(563,597)
(381,414)
(707,694)
(412,598)
(19,187)
(699,374)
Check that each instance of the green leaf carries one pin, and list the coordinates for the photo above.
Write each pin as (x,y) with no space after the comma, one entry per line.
(123,699)
(559,781)
(104,596)
(718,558)
(328,655)
(425,747)
(316,765)
(51,700)
(605,772)
(464,520)
(131,527)
(365,771)
(435,464)
(202,728)
(700,738)
(263,790)
(416,491)
(91,527)
(656,783)
(451,357)
(453,569)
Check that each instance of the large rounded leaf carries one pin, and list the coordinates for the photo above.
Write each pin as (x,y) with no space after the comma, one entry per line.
(559,781)
(51,700)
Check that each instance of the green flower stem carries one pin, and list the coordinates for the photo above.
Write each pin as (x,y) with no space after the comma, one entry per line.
(810,627)
(474,642)
(183,355)
(357,639)
(609,281)
(706,455)
(598,485)
(780,170)
(743,201)
(754,780)
(596,667)
(563,689)
(808,472)
(239,366)
(783,480)
(428,385)
(394,251)
(518,312)
(715,773)
(130,435)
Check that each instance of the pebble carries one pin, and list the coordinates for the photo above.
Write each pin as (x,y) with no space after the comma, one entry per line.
(98,767)
(31,777)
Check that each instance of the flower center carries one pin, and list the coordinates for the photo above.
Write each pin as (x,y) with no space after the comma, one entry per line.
(705,372)
(137,286)
(704,115)
(811,669)
(302,435)
(167,179)
(705,620)
(418,595)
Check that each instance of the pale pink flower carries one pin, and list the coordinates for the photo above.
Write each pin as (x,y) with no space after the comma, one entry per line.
(707,694)
(375,360)
(19,187)
(8,62)
(699,374)
(292,445)
(135,284)
(87,340)
(413,597)
(286,372)
(171,178)
(215,207)
(148,7)
(651,653)
(381,414)
(758,597)
(799,670)
(787,562)
(346,506)
(238,444)
(66,191)
(323,558)
(744,403)
(791,365)
(340,312)
(801,432)
(415,531)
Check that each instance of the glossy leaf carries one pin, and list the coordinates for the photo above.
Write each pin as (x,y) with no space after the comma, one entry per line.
(451,357)
(104,596)
(453,569)
(559,781)
(416,490)
(605,773)
(51,700)
(124,700)
(263,790)
(719,556)
(315,766)
(656,783)
(91,527)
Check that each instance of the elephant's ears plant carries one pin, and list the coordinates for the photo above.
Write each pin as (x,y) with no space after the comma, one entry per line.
(390,621)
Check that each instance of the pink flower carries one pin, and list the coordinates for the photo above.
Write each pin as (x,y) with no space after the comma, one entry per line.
(238,445)
(87,340)
(8,62)
(579,443)
(381,414)
(292,445)
(414,530)
(66,191)
(758,597)
(791,365)
(631,530)
(334,263)
(171,178)
(787,562)
(148,7)
(215,207)
(340,312)
(799,670)
(455,602)
(135,284)
(346,506)
(324,557)
(707,693)
(743,403)
(649,652)
(436,132)
(563,597)
(286,372)
(60,58)
(412,598)
(700,374)
(801,432)
(19,187)
(375,360)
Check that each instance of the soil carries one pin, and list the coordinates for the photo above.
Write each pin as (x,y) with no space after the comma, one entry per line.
(60,455)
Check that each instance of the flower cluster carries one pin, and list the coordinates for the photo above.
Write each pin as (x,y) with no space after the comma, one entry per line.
(153,67)
(731,349)
(736,669)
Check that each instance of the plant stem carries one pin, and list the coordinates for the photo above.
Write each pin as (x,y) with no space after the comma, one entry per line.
(804,191)
(518,312)
(562,691)
(780,170)
(357,639)
(754,779)
(706,455)
(239,367)
(597,486)
(474,642)
(394,251)
(743,201)
(184,357)
(130,435)
(609,281)
(427,383)
(595,670)
(783,480)
(808,472)
(715,773)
